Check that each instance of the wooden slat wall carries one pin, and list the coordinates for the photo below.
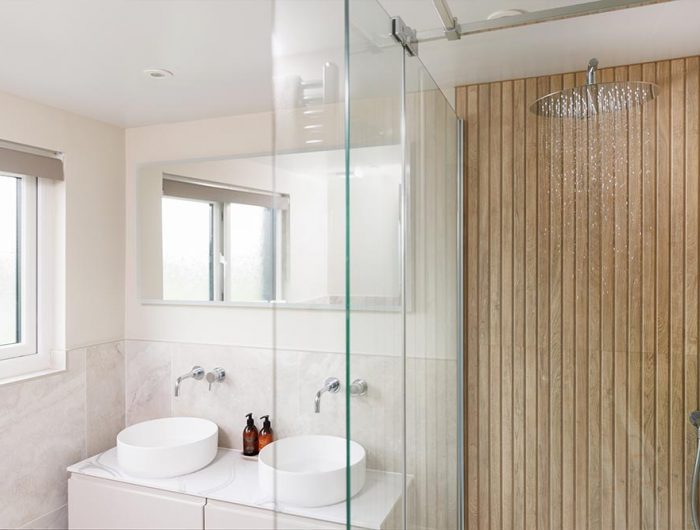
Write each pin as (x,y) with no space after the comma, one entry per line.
(581,308)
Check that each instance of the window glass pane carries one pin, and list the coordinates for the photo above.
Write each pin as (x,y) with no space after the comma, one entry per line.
(9,254)
(187,250)
(251,255)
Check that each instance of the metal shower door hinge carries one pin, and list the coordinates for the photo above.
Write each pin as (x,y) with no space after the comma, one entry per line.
(404,35)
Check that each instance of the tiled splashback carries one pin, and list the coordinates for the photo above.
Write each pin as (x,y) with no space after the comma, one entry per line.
(282,383)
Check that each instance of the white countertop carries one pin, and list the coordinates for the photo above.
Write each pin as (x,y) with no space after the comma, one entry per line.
(232,477)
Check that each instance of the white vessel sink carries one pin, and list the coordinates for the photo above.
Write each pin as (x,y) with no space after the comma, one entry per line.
(310,470)
(167,447)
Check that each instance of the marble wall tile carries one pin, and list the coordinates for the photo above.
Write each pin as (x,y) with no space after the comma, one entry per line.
(246,388)
(42,422)
(105,405)
(56,520)
(376,420)
(299,375)
(148,380)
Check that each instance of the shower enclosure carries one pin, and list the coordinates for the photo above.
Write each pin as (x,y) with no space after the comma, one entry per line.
(356,105)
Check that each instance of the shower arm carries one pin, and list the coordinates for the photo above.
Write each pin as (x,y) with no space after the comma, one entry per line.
(591,72)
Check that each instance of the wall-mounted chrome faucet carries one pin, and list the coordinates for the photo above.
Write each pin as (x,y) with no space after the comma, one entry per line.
(357,388)
(217,375)
(197,373)
(332,385)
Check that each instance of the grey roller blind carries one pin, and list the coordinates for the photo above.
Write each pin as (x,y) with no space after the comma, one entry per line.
(34,162)
(202,192)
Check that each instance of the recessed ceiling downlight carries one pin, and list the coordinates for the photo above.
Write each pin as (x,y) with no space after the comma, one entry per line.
(503,13)
(157,73)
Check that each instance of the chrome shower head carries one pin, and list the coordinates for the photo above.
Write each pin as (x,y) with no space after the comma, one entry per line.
(594,98)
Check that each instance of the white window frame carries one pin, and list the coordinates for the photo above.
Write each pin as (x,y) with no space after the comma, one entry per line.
(45,294)
(28,271)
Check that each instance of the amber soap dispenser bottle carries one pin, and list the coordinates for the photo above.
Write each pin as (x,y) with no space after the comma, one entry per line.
(250,437)
(266,434)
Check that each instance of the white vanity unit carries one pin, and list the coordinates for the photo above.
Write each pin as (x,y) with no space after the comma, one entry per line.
(223,495)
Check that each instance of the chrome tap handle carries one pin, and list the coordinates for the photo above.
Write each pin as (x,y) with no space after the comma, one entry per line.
(358,388)
(216,376)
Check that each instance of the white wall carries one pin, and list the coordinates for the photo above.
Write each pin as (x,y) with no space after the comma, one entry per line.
(94,213)
(49,423)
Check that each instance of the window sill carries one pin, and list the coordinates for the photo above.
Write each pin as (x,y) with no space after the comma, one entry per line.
(32,367)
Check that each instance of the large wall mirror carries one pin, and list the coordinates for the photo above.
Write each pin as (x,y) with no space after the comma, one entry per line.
(261,230)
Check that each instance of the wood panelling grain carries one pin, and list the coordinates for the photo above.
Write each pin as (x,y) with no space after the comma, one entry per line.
(663,294)
(692,140)
(471,285)
(519,381)
(581,305)
(568,316)
(484,323)
(649,310)
(530,267)
(634,359)
(506,384)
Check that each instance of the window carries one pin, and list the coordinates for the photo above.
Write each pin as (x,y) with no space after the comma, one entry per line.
(18,239)
(31,262)
(221,244)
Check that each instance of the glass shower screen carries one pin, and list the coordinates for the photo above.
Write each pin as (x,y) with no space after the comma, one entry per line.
(403,270)
(367,258)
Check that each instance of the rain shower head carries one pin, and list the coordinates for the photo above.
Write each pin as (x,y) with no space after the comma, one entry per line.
(594,98)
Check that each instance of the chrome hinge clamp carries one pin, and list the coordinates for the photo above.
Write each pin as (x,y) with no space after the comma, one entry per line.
(404,35)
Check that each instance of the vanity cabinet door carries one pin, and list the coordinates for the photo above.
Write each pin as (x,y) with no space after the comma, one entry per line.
(225,516)
(104,504)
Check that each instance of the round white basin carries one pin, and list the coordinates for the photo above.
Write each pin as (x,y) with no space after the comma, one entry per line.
(167,447)
(310,470)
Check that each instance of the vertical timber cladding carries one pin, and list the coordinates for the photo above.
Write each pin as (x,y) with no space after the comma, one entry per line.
(581,305)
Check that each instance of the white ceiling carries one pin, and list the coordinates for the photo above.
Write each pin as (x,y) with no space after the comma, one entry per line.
(87,56)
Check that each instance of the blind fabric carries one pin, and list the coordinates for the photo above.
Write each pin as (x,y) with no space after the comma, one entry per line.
(202,192)
(30,164)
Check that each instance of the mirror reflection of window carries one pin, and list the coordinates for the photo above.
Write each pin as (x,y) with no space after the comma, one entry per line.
(250,241)
(221,244)
(188,256)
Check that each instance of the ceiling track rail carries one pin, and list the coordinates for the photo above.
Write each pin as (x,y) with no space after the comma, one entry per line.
(449,21)
(525,19)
